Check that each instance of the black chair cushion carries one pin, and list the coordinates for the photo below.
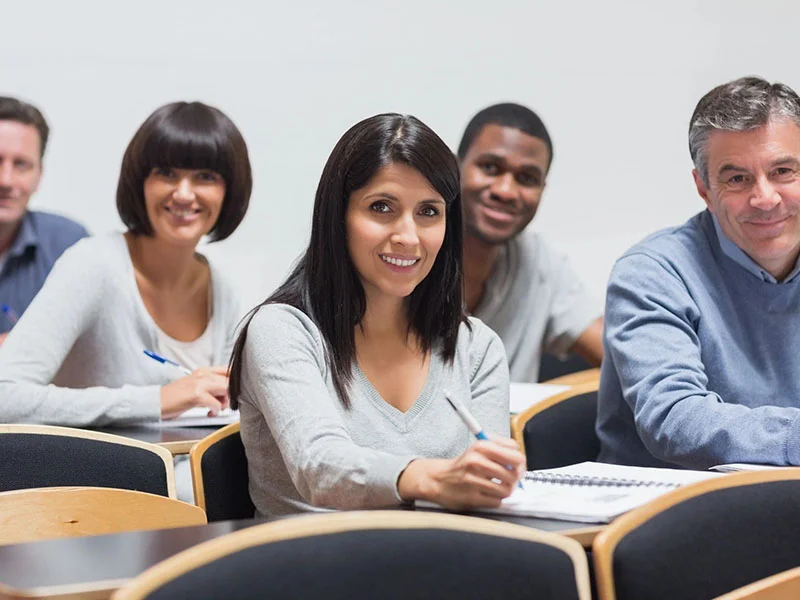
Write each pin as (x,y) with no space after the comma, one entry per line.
(225,480)
(551,366)
(386,564)
(38,460)
(563,434)
(712,544)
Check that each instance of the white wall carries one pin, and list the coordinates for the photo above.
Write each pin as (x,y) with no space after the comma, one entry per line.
(614,81)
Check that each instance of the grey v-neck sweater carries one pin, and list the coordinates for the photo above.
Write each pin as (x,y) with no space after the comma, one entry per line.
(307,452)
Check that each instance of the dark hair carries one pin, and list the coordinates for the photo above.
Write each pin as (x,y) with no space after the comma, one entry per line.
(507,114)
(12,109)
(186,135)
(325,285)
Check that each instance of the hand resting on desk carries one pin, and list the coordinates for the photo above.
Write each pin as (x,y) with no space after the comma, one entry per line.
(206,388)
(481,477)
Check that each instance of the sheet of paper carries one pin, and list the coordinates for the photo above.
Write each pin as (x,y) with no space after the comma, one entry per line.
(198,417)
(525,395)
(736,467)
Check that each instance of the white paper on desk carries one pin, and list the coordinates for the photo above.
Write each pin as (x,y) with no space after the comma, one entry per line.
(592,492)
(198,417)
(525,395)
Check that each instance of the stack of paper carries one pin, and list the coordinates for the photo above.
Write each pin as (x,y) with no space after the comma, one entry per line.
(198,417)
(525,395)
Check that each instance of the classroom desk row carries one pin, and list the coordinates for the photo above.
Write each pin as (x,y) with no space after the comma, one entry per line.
(94,567)
(179,440)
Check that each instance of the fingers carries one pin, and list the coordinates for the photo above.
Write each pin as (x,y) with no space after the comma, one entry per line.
(500,451)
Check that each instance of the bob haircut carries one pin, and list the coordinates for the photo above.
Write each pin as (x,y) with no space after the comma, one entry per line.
(325,284)
(186,135)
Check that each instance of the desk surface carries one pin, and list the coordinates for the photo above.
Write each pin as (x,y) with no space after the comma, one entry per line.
(178,440)
(93,567)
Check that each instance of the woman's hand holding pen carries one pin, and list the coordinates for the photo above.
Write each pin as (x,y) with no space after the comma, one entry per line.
(482,476)
(206,387)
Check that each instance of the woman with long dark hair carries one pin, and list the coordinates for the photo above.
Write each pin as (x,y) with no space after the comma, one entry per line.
(341,376)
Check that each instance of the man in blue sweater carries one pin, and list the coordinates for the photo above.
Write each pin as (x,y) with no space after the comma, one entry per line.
(702,330)
(30,242)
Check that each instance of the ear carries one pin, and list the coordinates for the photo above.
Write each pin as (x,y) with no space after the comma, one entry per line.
(702,189)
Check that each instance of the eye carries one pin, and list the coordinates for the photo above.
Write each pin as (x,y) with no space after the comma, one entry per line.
(737,179)
(162,172)
(528,179)
(430,210)
(208,176)
(489,168)
(783,173)
(380,206)
(23,165)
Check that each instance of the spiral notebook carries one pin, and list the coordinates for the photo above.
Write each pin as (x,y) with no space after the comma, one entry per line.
(592,492)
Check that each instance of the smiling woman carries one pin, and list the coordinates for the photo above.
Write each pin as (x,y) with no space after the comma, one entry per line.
(76,355)
(342,375)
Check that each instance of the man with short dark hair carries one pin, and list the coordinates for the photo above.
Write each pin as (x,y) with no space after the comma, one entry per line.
(517,284)
(30,242)
(702,359)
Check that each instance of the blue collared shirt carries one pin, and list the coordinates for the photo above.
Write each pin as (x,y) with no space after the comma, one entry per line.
(41,239)
(739,256)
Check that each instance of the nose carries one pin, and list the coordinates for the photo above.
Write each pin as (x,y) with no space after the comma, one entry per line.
(6,173)
(764,197)
(184,189)
(503,187)
(405,231)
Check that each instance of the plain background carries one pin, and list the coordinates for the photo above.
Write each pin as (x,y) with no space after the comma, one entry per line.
(614,81)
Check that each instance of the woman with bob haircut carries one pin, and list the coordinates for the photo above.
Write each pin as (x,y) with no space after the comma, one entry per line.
(76,356)
(341,376)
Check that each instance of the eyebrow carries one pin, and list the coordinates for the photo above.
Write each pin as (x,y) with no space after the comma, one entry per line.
(388,196)
(731,167)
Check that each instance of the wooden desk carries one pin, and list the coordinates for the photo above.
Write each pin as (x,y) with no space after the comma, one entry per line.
(94,567)
(178,440)
(576,378)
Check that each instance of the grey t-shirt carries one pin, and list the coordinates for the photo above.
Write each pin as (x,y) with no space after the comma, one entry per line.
(534,301)
(307,452)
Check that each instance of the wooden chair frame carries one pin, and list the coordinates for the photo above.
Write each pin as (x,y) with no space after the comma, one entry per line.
(606,541)
(34,514)
(519,420)
(777,587)
(162,453)
(196,459)
(323,524)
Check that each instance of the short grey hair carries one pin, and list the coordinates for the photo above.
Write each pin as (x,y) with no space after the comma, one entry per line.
(739,105)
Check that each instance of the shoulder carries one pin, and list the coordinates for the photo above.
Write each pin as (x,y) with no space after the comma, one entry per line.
(276,328)
(476,340)
(225,295)
(55,230)
(674,249)
(99,255)
(537,256)
(681,242)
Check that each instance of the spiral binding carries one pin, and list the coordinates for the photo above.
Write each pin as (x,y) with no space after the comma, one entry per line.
(584,480)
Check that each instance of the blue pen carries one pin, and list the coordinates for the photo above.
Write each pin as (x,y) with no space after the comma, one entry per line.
(472,425)
(12,316)
(166,361)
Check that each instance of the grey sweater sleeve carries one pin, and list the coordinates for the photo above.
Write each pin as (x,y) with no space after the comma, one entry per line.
(36,348)
(284,376)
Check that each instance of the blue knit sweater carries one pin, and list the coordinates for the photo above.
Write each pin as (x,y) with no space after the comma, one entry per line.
(702,360)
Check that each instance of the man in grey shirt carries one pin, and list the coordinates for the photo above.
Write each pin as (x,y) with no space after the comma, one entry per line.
(515,283)
(30,241)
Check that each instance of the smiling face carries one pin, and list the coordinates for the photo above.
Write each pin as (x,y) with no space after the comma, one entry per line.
(183,204)
(395,227)
(754,191)
(20,169)
(502,180)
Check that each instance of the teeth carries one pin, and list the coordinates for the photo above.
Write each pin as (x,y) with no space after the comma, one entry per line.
(399,262)
(182,213)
